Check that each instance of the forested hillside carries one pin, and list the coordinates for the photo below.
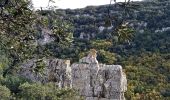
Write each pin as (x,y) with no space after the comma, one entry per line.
(150,20)
(145,58)
(144,52)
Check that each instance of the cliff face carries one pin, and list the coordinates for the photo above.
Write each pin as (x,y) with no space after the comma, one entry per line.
(55,70)
(93,81)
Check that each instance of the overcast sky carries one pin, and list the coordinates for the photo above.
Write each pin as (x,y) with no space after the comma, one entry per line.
(72,4)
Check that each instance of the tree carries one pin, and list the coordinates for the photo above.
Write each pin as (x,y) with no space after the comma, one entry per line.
(122,29)
(46,92)
(16,34)
(19,25)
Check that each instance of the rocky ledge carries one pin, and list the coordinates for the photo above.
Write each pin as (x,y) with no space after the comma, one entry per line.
(94,81)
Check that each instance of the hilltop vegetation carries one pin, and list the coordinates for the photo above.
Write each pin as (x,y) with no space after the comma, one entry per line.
(145,58)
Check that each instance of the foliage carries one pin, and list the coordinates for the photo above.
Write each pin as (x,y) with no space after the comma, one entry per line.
(22,31)
(4,61)
(45,92)
(5,93)
(106,57)
(13,82)
(101,44)
(40,65)
(145,58)
(19,89)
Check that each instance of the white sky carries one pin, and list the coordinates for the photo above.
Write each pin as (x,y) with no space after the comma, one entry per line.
(72,4)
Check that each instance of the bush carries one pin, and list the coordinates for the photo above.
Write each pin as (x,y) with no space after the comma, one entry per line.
(32,91)
(38,91)
(13,82)
(5,93)
(106,57)
(4,61)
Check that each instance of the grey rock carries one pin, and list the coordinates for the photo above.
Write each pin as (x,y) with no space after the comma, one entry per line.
(55,70)
(92,80)
(107,82)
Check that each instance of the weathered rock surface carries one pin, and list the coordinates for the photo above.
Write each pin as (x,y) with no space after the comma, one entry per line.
(106,81)
(91,58)
(93,81)
(55,70)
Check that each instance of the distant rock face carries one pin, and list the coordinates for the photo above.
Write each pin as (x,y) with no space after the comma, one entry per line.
(93,81)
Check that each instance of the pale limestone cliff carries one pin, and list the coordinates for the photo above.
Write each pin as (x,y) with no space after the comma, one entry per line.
(55,70)
(92,80)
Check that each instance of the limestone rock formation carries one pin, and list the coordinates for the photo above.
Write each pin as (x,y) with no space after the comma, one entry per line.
(91,58)
(94,81)
(55,70)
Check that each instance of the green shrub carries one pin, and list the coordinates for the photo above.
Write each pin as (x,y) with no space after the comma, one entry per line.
(32,91)
(106,57)
(38,91)
(13,82)
(5,93)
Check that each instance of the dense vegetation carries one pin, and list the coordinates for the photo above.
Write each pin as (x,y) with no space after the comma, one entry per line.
(20,39)
(145,58)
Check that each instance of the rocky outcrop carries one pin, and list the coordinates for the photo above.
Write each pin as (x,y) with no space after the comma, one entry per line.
(55,70)
(93,81)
